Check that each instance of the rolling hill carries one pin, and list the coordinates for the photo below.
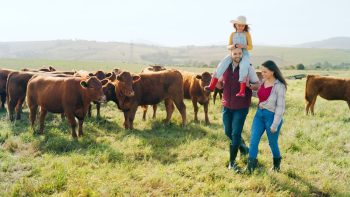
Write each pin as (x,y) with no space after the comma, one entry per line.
(92,51)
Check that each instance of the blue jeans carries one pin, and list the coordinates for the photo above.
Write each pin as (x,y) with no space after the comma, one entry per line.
(233,120)
(262,121)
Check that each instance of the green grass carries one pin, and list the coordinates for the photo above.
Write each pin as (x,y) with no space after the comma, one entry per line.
(158,160)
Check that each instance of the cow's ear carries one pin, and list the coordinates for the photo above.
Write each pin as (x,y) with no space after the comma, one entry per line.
(104,82)
(119,78)
(113,77)
(91,74)
(136,78)
(199,76)
(84,84)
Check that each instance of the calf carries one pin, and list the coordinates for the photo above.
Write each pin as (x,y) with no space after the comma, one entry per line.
(328,88)
(71,96)
(149,89)
(193,85)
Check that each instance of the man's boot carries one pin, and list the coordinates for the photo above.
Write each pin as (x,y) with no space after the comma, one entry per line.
(252,163)
(276,164)
(233,154)
(243,148)
(241,92)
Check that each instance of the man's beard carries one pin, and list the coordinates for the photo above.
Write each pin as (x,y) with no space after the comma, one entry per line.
(237,60)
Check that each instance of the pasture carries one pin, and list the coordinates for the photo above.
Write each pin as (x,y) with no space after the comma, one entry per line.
(158,160)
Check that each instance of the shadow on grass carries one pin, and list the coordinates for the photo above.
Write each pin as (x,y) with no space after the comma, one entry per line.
(164,138)
(313,190)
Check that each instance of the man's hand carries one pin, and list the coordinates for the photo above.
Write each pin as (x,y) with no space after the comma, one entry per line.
(273,129)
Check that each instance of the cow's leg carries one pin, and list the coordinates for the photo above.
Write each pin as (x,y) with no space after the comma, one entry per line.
(10,108)
(214,96)
(205,105)
(89,111)
(19,108)
(348,103)
(72,122)
(32,114)
(169,108)
(154,111)
(195,108)
(220,94)
(43,113)
(312,105)
(180,105)
(3,100)
(62,116)
(81,121)
(98,106)
(126,119)
(144,108)
(132,117)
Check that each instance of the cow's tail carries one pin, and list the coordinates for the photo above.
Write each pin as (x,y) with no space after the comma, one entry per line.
(308,77)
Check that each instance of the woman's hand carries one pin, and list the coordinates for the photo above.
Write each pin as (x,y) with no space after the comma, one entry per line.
(273,129)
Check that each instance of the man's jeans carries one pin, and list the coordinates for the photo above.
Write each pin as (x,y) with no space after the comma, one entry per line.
(233,124)
(262,121)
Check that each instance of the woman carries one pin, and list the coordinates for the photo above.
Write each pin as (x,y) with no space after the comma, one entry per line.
(268,117)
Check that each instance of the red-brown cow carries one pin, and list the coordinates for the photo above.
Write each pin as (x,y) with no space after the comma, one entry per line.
(3,81)
(194,89)
(42,69)
(149,89)
(151,69)
(328,88)
(71,96)
(16,90)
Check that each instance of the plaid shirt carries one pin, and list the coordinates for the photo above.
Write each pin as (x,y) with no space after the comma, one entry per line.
(276,102)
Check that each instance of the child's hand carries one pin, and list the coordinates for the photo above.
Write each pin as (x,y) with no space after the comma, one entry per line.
(240,46)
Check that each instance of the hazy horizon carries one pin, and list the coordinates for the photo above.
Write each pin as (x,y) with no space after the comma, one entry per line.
(173,23)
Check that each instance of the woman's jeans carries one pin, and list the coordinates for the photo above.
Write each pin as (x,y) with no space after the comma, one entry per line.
(233,124)
(262,121)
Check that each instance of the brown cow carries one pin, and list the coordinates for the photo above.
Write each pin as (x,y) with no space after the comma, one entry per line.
(194,89)
(71,96)
(16,90)
(42,69)
(328,88)
(3,81)
(151,69)
(149,89)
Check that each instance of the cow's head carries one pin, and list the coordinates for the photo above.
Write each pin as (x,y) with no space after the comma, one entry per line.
(204,78)
(158,68)
(117,71)
(100,75)
(94,89)
(124,84)
(111,76)
(109,90)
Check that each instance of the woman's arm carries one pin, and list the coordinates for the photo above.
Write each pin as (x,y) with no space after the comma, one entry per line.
(280,107)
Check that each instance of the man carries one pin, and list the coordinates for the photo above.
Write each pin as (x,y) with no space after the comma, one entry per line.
(235,109)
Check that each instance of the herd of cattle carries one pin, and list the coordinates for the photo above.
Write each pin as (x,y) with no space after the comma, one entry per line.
(71,93)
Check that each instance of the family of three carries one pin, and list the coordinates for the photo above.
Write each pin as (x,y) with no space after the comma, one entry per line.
(239,79)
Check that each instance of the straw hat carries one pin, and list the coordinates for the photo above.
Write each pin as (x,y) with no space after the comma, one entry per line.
(240,20)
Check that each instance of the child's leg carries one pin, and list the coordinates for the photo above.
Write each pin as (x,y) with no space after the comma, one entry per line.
(223,65)
(243,74)
(220,69)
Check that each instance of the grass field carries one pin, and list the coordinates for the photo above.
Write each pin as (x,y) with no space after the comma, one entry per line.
(158,160)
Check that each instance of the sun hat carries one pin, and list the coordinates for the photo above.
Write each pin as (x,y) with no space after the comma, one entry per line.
(240,20)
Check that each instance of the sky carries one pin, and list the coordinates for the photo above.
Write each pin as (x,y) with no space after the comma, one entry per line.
(173,22)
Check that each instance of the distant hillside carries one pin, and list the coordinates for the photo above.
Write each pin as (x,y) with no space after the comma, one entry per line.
(82,50)
(331,43)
